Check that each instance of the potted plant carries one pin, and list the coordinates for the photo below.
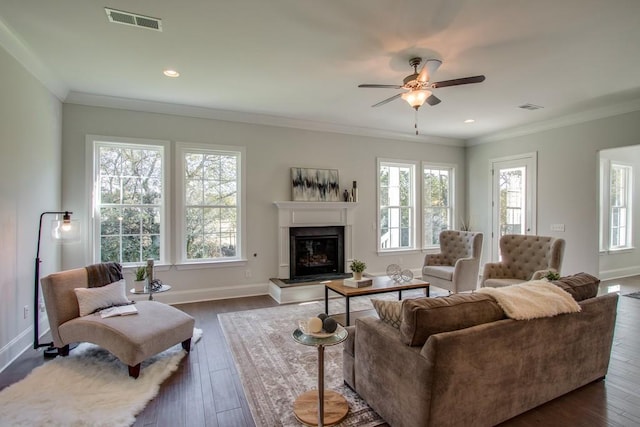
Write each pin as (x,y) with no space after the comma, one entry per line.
(139,283)
(357,267)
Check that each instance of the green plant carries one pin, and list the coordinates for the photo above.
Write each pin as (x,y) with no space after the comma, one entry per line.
(357,266)
(552,275)
(141,273)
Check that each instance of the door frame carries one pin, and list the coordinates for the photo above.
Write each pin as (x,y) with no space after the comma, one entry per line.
(530,161)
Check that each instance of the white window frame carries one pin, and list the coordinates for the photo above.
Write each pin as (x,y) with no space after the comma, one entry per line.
(93,142)
(606,225)
(413,165)
(180,251)
(452,198)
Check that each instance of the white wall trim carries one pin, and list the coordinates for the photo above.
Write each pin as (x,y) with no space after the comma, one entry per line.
(94,100)
(567,120)
(175,296)
(619,273)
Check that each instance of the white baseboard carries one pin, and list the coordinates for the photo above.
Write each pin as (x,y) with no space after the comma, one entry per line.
(21,343)
(174,296)
(619,273)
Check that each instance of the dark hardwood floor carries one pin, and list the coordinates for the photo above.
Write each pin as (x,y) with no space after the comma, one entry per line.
(206,389)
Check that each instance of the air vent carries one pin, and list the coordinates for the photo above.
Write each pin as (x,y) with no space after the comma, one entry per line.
(133,19)
(530,107)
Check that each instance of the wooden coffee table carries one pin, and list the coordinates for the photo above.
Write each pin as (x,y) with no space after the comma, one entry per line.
(381,284)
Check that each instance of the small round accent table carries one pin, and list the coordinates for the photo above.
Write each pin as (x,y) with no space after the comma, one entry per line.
(320,407)
(147,290)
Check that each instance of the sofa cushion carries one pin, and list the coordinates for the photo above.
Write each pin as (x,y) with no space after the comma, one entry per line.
(581,286)
(389,312)
(443,272)
(423,317)
(93,299)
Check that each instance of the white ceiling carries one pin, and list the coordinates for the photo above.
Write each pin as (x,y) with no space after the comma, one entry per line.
(300,61)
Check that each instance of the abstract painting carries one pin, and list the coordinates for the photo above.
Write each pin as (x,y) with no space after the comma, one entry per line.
(315,185)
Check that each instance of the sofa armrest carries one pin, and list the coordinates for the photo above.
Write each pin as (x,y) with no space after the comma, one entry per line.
(348,358)
(393,378)
(466,273)
(495,270)
(537,275)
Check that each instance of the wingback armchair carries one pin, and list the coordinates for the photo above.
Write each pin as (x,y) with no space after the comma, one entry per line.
(524,258)
(456,267)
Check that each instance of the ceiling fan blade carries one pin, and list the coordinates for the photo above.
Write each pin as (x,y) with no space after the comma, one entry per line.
(433,100)
(456,82)
(387,100)
(381,86)
(429,69)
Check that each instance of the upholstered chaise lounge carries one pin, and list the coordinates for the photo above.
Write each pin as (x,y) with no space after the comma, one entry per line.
(132,339)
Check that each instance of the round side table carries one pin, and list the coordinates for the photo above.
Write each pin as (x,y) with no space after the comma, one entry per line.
(147,290)
(320,407)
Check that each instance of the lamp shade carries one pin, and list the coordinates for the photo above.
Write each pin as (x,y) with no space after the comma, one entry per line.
(65,230)
(416,98)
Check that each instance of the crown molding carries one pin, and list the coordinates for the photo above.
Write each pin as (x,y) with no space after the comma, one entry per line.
(94,100)
(568,120)
(17,48)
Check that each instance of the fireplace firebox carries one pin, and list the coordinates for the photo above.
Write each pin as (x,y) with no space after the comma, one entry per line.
(316,252)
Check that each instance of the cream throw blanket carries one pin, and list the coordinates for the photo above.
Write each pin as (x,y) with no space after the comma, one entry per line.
(530,300)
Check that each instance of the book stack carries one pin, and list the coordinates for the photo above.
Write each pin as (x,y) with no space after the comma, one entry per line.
(353,283)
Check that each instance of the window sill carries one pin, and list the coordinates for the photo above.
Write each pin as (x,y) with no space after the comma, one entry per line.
(211,264)
(398,251)
(617,251)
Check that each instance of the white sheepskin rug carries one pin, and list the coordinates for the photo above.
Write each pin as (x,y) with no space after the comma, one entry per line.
(90,387)
(531,300)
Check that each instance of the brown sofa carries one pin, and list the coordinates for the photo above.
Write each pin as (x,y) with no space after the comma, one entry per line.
(458,361)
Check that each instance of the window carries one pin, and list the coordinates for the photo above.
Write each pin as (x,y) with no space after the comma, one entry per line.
(396,201)
(437,202)
(620,206)
(129,202)
(210,187)
(615,205)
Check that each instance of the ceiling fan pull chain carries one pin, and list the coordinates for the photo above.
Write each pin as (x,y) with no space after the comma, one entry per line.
(416,122)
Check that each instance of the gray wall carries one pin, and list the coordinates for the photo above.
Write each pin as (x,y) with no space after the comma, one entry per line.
(271,152)
(567,182)
(30,143)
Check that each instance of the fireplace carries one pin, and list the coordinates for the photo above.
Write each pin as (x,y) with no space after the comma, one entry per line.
(316,252)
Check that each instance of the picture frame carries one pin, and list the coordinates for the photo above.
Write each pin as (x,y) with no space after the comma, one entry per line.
(315,185)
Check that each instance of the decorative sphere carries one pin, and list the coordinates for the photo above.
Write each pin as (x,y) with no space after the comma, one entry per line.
(322,316)
(329,325)
(314,324)
(406,275)
(393,270)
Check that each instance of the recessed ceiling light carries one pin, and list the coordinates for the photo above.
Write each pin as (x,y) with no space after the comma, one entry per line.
(171,73)
(469,121)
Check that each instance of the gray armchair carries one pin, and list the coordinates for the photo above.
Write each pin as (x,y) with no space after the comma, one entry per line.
(523,258)
(456,267)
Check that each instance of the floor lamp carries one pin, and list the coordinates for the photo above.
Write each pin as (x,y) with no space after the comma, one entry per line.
(64,231)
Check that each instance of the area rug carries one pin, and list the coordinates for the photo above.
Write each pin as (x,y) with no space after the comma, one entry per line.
(90,387)
(635,295)
(275,370)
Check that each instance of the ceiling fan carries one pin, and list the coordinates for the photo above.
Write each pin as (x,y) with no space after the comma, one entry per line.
(419,85)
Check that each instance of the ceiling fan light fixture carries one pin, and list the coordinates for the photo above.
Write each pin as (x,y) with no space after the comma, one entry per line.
(416,98)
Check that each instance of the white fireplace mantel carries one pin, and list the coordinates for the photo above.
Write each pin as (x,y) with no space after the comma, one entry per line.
(312,214)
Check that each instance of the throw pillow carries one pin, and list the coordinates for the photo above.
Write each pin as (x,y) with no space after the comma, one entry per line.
(92,299)
(581,286)
(423,317)
(389,312)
